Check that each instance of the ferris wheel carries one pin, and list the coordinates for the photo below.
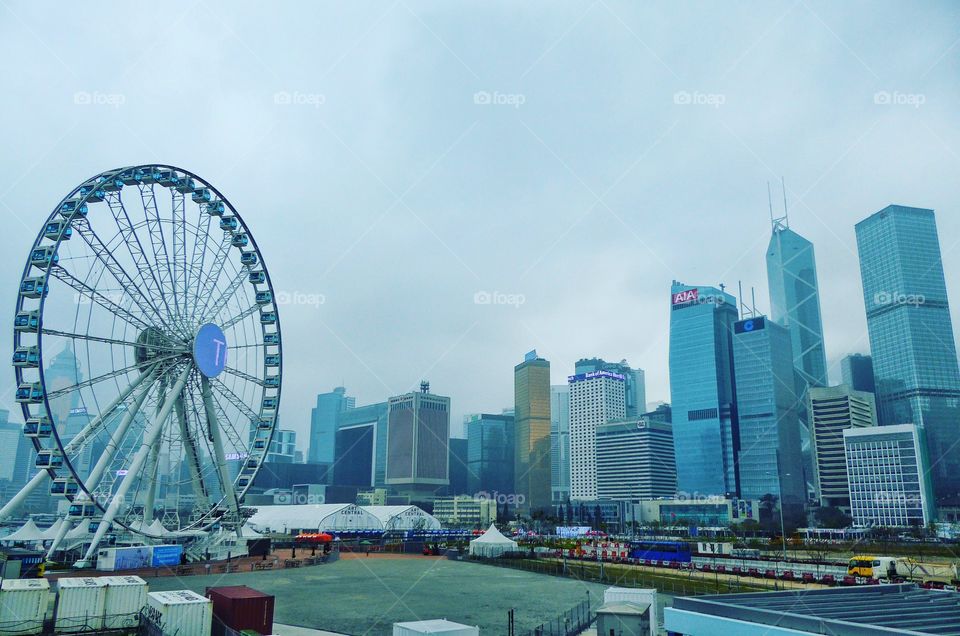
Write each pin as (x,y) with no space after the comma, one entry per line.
(147,356)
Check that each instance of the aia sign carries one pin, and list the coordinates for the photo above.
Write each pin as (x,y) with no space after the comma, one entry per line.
(688,296)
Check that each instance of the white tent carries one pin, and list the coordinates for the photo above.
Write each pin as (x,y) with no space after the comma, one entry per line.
(27,533)
(51,533)
(492,543)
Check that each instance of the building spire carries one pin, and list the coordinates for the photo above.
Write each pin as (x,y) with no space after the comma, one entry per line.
(779,223)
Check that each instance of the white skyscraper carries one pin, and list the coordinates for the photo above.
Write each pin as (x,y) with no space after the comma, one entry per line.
(596,397)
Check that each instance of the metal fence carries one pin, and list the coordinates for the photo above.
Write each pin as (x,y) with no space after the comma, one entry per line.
(572,622)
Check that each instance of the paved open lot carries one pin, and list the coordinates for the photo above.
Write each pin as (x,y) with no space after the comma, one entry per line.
(367,595)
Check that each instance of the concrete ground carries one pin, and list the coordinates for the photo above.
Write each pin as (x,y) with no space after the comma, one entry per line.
(367,595)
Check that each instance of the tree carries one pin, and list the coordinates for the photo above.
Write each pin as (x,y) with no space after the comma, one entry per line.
(832,517)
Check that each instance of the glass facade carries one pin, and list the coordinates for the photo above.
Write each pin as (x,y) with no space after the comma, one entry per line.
(374,417)
(911,334)
(857,372)
(324,418)
(531,391)
(560,443)
(702,389)
(490,454)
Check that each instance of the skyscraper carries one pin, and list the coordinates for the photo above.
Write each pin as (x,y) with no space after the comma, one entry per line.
(560,443)
(856,372)
(418,436)
(490,454)
(596,397)
(531,394)
(635,460)
(323,424)
(833,410)
(702,388)
(635,381)
(795,299)
(361,446)
(769,461)
(911,334)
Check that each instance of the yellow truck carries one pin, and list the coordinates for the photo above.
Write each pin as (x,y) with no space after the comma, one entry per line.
(887,569)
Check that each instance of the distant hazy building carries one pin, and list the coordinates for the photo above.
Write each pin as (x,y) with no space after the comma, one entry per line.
(418,434)
(464,511)
(361,447)
(283,447)
(663,414)
(911,334)
(634,381)
(889,474)
(635,460)
(856,371)
(769,460)
(324,423)
(531,391)
(560,442)
(10,435)
(596,397)
(702,389)
(490,454)
(832,411)
(458,467)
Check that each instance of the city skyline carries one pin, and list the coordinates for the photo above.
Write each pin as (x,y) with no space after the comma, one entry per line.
(612,109)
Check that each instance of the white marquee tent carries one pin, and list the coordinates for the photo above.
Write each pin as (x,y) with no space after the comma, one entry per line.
(492,544)
(27,533)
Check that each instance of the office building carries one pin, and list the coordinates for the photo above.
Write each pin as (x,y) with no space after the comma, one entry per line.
(888,470)
(283,447)
(10,435)
(701,388)
(911,334)
(663,414)
(832,411)
(635,460)
(769,460)
(324,419)
(464,511)
(531,394)
(459,475)
(490,454)
(856,371)
(795,299)
(418,434)
(596,397)
(703,512)
(560,442)
(634,381)
(361,447)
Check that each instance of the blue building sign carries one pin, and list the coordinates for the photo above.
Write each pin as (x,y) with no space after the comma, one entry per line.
(166,555)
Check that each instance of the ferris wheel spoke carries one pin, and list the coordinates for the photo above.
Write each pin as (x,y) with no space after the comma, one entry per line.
(132,240)
(179,232)
(199,257)
(213,427)
(52,395)
(221,302)
(249,311)
(192,456)
(127,343)
(213,274)
(89,293)
(159,244)
(235,400)
(109,262)
(244,376)
(150,438)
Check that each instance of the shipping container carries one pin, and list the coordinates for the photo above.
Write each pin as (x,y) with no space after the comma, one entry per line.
(240,607)
(23,605)
(126,596)
(125,558)
(635,595)
(438,626)
(79,605)
(180,613)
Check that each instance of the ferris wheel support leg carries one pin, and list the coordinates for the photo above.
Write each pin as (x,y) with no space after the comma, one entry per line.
(149,501)
(193,464)
(149,440)
(77,441)
(214,427)
(61,533)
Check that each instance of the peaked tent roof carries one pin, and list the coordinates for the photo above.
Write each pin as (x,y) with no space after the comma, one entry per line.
(492,535)
(27,532)
(52,531)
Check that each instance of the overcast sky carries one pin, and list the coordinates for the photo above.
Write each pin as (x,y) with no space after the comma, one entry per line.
(399,160)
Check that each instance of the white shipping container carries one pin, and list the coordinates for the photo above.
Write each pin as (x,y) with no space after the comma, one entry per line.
(126,596)
(80,603)
(23,605)
(437,626)
(181,612)
(635,595)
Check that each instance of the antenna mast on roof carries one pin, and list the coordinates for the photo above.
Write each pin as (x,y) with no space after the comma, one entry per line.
(782,222)
(746,311)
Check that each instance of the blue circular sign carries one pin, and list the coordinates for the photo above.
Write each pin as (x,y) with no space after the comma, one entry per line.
(748,325)
(210,350)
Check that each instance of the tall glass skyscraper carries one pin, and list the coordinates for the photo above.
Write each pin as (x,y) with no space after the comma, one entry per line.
(560,443)
(702,389)
(795,300)
(911,335)
(769,461)
(324,419)
(490,454)
(531,391)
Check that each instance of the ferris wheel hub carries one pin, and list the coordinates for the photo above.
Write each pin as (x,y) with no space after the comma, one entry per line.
(210,350)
